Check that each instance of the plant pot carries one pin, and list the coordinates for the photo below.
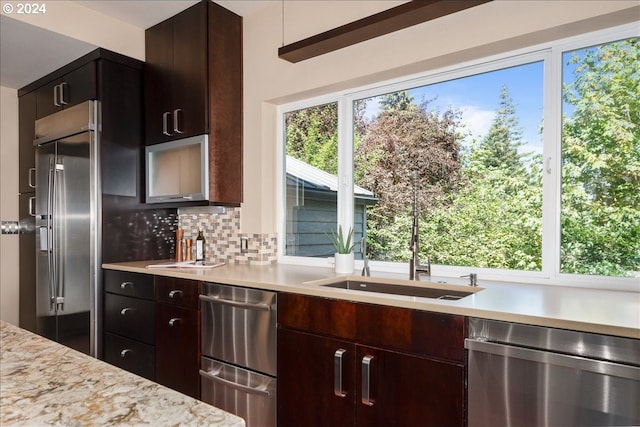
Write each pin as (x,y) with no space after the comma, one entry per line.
(344,263)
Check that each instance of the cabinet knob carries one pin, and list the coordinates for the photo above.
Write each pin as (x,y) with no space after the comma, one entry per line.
(173,321)
(175,293)
(124,352)
(125,285)
(125,310)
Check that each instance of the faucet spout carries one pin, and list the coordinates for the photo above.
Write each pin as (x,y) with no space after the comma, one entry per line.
(363,248)
(415,268)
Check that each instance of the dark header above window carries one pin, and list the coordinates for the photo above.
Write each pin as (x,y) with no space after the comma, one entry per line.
(388,21)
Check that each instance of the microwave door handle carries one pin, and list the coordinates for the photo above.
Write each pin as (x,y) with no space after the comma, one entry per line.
(237,304)
(213,376)
(175,198)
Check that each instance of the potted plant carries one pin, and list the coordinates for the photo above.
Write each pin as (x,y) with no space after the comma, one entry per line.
(344,251)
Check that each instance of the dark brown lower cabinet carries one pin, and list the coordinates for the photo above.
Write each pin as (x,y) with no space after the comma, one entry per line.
(152,328)
(178,335)
(376,366)
(306,382)
(177,349)
(377,387)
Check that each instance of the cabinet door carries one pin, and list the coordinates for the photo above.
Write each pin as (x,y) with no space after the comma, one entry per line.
(45,102)
(189,86)
(79,85)
(177,334)
(26,153)
(396,389)
(157,80)
(73,88)
(309,389)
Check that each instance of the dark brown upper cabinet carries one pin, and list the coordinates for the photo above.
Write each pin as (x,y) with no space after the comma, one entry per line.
(73,88)
(193,86)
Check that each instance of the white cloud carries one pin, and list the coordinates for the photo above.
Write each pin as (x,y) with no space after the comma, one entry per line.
(476,120)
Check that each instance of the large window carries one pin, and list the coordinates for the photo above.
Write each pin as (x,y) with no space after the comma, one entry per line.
(524,166)
(471,150)
(601,160)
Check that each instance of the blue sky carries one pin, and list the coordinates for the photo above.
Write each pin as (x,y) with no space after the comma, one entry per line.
(478,97)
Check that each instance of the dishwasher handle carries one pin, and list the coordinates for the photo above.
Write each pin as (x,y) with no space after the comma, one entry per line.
(237,304)
(545,357)
(241,387)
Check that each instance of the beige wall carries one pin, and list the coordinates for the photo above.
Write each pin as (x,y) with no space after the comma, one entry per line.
(492,28)
(9,204)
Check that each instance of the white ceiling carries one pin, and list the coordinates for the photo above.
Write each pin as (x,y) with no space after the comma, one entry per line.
(28,52)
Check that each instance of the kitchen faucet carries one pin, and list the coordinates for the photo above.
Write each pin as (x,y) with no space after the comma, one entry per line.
(363,249)
(415,268)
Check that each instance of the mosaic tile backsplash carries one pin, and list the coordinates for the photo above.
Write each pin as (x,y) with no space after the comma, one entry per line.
(222,234)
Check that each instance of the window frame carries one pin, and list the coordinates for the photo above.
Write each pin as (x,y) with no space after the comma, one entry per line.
(551,54)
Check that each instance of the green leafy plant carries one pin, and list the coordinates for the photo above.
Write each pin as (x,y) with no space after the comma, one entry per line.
(343,246)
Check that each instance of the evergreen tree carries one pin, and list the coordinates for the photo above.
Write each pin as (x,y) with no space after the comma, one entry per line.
(499,148)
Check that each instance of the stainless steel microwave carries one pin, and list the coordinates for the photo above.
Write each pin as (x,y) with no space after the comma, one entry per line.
(178,170)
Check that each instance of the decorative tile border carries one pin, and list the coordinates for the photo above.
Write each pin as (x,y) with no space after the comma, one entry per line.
(221,229)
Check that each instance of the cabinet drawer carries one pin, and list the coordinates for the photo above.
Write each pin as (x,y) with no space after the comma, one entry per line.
(130,317)
(130,355)
(179,292)
(130,284)
(423,333)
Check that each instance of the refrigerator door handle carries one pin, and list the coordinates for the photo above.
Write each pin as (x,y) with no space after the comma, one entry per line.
(58,182)
(50,236)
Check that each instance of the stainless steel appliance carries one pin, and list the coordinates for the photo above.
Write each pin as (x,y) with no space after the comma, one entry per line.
(67,204)
(238,343)
(521,375)
(178,170)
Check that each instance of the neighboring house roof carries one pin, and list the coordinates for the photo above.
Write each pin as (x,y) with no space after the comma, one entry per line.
(317,179)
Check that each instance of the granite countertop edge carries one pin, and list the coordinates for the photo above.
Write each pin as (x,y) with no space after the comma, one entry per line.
(46,383)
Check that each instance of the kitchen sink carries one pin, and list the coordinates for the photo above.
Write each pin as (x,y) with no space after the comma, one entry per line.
(450,292)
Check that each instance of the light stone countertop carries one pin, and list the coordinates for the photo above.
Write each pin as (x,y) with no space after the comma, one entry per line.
(45,383)
(590,310)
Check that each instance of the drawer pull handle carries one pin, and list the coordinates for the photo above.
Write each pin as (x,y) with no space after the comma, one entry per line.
(124,285)
(366,381)
(124,352)
(173,321)
(125,310)
(337,373)
(214,375)
(236,304)
(175,293)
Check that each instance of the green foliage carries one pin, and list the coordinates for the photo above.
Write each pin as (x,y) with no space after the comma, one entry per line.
(343,246)
(312,136)
(601,162)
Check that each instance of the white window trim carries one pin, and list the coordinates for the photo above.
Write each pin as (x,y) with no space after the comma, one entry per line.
(551,53)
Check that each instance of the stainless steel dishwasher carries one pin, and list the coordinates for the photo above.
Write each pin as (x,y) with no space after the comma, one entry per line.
(238,343)
(522,375)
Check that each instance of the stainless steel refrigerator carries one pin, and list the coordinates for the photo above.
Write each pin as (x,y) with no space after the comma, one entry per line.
(67,226)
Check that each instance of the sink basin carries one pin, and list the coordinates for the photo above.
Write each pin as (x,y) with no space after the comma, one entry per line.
(417,290)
